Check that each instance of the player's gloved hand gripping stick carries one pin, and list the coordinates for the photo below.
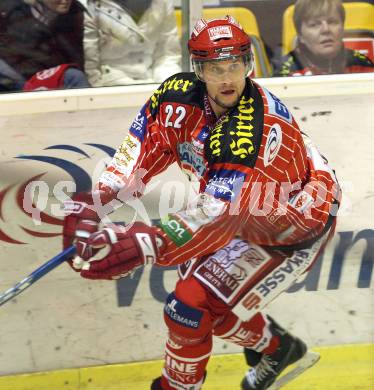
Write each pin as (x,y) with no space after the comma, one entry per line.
(127,247)
(65,255)
(84,221)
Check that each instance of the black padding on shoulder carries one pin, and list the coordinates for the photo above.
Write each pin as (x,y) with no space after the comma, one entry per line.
(182,88)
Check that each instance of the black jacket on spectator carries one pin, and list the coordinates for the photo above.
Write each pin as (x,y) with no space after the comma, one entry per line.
(29,46)
(302,62)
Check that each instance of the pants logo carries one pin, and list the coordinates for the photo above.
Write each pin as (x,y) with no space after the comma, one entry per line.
(251,301)
(172,305)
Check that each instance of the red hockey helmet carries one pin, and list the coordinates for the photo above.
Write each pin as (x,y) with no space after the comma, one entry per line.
(218,40)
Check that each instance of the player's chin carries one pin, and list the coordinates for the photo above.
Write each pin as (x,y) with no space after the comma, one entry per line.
(229,102)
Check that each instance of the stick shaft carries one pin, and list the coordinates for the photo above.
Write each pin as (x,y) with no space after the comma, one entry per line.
(37,274)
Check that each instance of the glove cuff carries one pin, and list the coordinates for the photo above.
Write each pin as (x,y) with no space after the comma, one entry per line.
(87,205)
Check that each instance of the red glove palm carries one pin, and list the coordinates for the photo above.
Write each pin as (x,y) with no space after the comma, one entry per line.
(129,248)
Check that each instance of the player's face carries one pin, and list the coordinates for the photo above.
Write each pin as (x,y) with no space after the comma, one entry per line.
(323,35)
(225,81)
(58,6)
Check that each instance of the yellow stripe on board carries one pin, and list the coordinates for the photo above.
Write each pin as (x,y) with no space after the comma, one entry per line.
(348,367)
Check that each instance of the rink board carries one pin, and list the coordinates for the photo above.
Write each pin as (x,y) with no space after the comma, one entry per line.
(64,321)
(346,367)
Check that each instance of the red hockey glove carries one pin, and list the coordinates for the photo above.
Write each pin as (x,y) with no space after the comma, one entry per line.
(128,249)
(80,222)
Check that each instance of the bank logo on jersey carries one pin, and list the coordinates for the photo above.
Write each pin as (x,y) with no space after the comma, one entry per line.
(139,125)
(190,160)
(273,144)
(225,184)
(276,107)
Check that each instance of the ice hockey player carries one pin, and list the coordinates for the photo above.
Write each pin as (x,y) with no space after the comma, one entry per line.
(265,209)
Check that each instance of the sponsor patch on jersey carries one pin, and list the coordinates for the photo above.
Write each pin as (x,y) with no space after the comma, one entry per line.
(111,180)
(276,107)
(176,229)
(139,125)
(175,87)
(236,138)
(210,206)
(126,155)
(288,271)
(181,313)
(232,268)
(242,142)
(198,141)
(190,159)
(278,280)
(225,184)
(278,218)
(301,201)
(203,134)
(273,144)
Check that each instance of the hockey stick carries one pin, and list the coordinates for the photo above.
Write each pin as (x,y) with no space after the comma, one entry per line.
(37,274)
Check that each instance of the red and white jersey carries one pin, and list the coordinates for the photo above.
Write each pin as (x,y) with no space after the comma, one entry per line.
(259,177)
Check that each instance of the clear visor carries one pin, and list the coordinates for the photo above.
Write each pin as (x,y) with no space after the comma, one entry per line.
(224,70)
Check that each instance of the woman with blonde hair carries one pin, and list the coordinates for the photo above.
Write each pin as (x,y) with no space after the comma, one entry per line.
(319,45)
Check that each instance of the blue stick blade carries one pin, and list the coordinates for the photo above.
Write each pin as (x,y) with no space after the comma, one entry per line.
(37,274)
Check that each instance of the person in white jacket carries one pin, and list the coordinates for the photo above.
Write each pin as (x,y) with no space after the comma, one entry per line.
(130,41)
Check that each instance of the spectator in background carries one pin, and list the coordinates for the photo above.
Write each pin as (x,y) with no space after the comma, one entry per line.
(130,41)
(41,44)
(319,47)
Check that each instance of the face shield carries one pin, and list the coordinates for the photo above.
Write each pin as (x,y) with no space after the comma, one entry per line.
(229,69)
